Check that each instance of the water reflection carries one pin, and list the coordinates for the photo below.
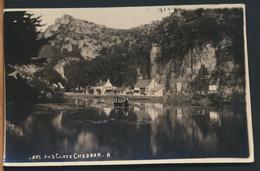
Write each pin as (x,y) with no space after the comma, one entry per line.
(142,131)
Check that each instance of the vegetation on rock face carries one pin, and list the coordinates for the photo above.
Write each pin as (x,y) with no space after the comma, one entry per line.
(187,31)
(99,52)
(182,36)
(119,63)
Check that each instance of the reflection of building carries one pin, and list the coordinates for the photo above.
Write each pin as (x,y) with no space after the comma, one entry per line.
(107,110)
(104,88)
(154,109)
(213,89)
(214,118)
(179,112)
(148,87)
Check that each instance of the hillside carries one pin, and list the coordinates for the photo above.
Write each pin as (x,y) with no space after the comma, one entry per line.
(82,38)
(172,50)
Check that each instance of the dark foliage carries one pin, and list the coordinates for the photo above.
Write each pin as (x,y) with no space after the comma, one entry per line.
(21,37)
(183,32)
(22,45)
(19,90)
(119,63)
(188,30)
(48,73)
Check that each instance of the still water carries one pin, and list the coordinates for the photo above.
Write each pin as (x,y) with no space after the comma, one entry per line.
(93,129)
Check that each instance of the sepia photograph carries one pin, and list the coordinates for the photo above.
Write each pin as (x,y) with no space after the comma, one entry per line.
(127,85)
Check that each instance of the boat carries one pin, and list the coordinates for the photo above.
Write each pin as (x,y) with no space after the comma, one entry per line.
(121,104)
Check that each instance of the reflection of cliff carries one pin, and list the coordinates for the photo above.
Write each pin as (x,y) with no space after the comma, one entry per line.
(191,131)
(57,121)
(189,135)
(117,138)
(151,130)
(85,142)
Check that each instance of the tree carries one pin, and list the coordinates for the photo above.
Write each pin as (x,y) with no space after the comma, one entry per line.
(48,73)
(22,41)
(73,72)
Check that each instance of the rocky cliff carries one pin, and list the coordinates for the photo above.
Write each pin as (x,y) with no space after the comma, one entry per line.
(85,38)
(172,50)
(165,73)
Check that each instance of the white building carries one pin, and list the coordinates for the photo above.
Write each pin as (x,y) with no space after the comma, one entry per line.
(104,88)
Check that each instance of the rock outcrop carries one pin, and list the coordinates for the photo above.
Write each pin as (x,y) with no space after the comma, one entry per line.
(120,54)
(83,37)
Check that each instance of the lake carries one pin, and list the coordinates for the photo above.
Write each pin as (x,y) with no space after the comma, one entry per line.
(84,129)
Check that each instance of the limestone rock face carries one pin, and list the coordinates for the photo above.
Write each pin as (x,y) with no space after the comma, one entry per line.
(60,69)
(134,49)
(155,53)
(80,36)
(166,73)
(65,19)
(88,53)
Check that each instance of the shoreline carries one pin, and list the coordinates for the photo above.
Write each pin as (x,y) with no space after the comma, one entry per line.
(176,99)
(132,97)
(167,98)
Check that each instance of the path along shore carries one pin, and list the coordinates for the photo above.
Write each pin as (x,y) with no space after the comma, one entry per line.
(130,97)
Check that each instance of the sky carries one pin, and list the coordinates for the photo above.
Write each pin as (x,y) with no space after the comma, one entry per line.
(122,18)
(116,17)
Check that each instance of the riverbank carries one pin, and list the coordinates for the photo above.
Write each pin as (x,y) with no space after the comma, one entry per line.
(131,97)
(178,99)
(175,99)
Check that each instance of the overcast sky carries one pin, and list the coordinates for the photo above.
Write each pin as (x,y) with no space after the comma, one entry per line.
(123,18)
(116,17)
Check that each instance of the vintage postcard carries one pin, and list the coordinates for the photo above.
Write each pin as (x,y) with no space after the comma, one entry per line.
(127,85)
